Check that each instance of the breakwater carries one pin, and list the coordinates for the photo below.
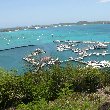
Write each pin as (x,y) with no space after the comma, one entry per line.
(43,38)
(82,50)
(16,47)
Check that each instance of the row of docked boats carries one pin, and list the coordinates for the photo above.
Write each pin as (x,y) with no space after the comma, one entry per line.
(30,58)
(42,61)
(72,45)
(97,64)
(69,46)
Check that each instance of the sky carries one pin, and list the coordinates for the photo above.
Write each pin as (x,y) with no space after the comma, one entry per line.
(38,12)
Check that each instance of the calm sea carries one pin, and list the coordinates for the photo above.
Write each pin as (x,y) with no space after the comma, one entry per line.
(42,38)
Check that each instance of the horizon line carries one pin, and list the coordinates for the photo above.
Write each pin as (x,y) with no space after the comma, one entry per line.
(81,22)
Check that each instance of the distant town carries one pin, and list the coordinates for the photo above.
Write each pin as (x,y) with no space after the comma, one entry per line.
(52,25)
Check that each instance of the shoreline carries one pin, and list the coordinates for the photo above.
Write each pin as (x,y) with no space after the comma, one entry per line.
(52,25)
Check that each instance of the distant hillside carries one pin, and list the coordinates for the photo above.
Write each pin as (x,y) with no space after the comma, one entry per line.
(60,24)
(94,22)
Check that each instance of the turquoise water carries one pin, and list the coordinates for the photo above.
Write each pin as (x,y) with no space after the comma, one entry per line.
(42,38)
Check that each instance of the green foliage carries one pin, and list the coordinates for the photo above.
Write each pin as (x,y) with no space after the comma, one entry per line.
(66,102)
(49,89)
(37,105)
(87,80)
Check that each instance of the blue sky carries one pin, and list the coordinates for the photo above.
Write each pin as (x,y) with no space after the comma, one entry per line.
(31,12)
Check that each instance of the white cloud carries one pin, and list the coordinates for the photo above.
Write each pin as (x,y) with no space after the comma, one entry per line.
(104,1)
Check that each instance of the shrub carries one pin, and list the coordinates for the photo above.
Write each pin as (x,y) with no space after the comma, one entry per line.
(37,105)
(48,85)
(88,80)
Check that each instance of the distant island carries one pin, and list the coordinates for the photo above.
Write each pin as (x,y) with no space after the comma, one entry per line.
(52,25)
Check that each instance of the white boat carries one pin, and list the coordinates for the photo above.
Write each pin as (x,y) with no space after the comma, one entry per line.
(100,46)
(97,54)
(71,58)
(55,26)
(37,27)
(57,41)
(84,24)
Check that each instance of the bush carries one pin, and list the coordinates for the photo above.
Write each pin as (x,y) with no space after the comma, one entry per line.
(87,80)
(74,101)
(37,105)
(48,85)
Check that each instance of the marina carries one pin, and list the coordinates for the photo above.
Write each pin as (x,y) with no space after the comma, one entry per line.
(73,46)
(76,44)
(82,53)
(54,55)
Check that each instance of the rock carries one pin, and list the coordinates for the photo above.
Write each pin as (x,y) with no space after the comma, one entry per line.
(105,106)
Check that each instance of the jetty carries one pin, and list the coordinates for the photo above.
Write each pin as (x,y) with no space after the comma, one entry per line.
(97,64)
(81,49)
(44,61)
(16,47)
(84,52)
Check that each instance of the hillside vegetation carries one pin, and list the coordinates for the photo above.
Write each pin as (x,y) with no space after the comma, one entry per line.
(57,88)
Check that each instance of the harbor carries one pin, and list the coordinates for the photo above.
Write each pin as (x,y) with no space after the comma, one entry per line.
(75,44)
(82,50)
(85,51)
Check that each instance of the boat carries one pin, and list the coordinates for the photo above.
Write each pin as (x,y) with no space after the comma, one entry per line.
(100,46)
